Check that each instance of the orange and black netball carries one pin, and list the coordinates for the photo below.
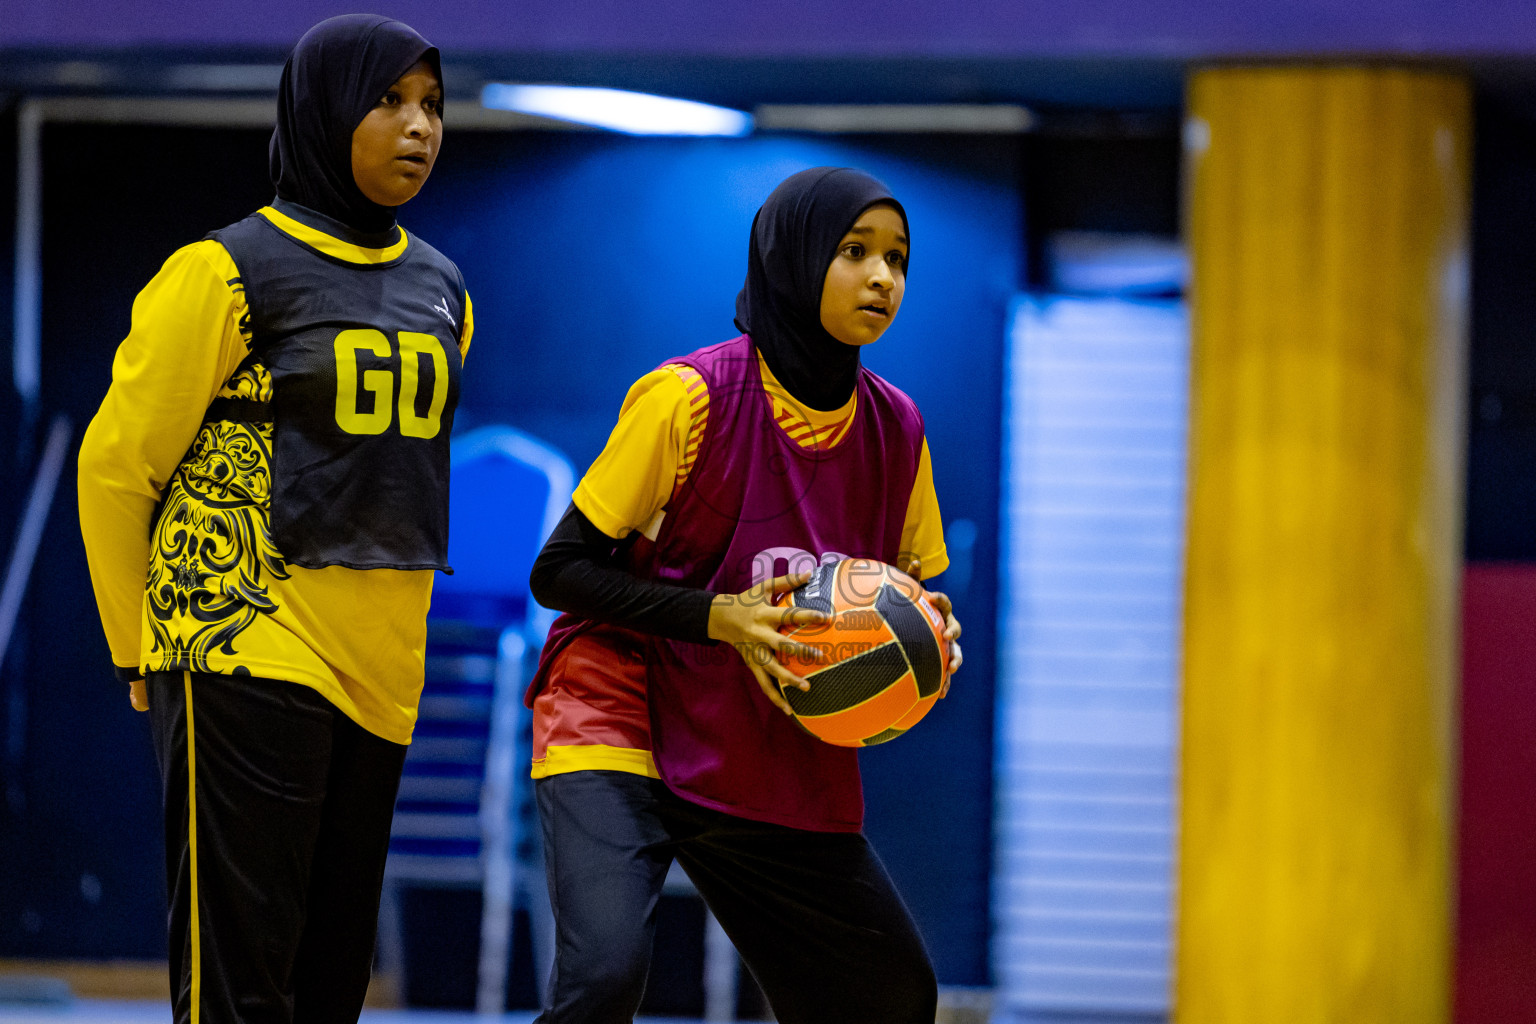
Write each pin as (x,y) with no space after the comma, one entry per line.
(886,658)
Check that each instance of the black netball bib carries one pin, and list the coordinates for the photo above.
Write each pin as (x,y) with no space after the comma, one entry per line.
(365,365)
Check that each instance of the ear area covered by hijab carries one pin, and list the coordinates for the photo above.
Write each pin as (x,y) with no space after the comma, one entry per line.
(334,76)
(794,239)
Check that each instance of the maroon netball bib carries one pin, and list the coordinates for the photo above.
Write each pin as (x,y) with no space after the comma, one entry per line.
(756,505)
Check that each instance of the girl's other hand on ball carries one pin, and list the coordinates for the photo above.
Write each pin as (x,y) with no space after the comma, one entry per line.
(914,568)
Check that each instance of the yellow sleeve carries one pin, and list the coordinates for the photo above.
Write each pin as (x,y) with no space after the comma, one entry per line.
(469,327)
(634,476)
(923,532)
(184,343)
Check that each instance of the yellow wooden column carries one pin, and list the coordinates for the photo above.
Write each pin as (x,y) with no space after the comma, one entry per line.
(1328,212)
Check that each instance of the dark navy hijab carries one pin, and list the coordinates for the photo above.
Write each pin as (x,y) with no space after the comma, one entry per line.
(794,238)
(332,79)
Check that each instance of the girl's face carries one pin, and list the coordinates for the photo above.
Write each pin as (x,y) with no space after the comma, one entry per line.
(395,146)
(867,277)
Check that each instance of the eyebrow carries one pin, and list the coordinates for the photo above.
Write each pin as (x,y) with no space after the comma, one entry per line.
(869,231)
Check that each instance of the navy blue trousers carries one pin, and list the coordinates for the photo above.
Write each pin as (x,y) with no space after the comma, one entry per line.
(813,914)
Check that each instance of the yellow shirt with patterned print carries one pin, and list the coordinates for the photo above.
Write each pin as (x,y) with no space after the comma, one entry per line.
(213,590)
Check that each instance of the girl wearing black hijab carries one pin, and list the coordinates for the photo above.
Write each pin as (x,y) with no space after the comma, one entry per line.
(732,471)
(263,497)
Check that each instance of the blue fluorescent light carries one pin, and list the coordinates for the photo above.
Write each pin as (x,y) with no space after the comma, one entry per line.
(635,113)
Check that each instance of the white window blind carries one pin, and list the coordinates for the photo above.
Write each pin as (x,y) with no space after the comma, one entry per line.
(1087,715)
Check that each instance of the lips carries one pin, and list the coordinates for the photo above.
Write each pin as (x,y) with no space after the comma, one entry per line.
(876,310)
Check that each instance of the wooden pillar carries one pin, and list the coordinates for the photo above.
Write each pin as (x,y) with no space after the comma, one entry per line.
(1328,213)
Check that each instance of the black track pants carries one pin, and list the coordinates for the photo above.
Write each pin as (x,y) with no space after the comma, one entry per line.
(813,914)
(274,881)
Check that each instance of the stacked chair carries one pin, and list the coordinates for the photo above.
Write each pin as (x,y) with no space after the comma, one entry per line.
(465,816)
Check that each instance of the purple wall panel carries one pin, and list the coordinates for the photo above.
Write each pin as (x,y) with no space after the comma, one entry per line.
(958,28)
(1496,898)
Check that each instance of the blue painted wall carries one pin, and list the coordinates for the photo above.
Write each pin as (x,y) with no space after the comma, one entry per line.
(1104,28)
(81,868)
(592,258)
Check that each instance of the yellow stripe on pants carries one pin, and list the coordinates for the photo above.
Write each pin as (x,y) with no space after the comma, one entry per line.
(197,960)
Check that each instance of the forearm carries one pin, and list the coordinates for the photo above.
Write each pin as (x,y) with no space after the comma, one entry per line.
(576,573)
(115,526)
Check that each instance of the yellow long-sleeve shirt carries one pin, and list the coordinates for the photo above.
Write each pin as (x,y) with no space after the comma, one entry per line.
(214,594)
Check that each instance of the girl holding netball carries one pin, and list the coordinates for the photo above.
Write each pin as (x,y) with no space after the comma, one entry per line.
(653,740)
(263,496)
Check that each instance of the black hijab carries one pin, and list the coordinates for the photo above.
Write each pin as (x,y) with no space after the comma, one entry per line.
(794,238)
(332,79)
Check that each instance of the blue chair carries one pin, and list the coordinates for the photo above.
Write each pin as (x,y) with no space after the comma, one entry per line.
(465,815)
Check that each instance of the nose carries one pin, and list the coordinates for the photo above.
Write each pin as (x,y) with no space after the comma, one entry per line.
(418,125)
(880,275)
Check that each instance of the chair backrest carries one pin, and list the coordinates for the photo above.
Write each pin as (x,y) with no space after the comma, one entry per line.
(507,492)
